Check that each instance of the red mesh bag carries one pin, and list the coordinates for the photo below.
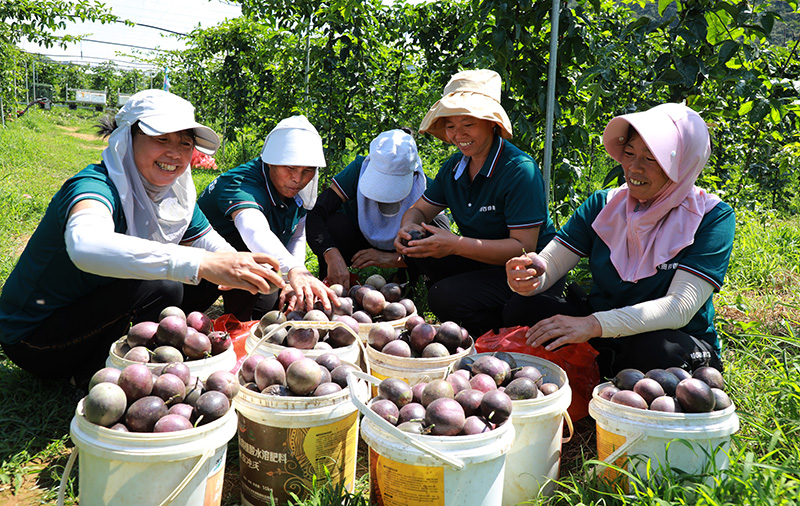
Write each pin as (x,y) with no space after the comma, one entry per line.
(239,332)
(577,360)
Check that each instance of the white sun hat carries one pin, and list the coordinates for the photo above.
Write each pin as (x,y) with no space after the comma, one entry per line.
(160,112)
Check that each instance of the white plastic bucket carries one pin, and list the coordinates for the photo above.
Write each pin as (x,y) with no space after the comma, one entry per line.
(285,441)
(132,468)
(535,457)
(408,469)
(687,441)
(202,368)
(256,343)
(413,370)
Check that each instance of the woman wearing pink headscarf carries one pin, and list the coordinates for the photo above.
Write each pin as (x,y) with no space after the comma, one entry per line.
(658,248)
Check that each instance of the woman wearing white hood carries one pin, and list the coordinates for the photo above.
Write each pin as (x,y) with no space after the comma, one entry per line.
(357,218)
(113,246)
(261,205)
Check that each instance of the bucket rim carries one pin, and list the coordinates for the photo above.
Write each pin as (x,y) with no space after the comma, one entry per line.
(117,359)
(293,402)
(605,405)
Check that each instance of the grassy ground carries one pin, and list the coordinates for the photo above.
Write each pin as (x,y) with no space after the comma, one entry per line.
(758,314)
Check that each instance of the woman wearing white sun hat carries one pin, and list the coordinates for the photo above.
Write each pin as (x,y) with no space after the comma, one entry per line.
(120,241)
(356,219)
(658,248)
(496,195)
(261,205)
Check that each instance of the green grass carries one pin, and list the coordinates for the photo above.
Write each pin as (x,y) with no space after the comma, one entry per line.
(758,312)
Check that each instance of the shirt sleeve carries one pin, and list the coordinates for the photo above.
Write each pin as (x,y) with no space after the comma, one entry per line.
(528,208)
(347,180)
(297,243)
(708,257)
(577,233)
(434,193)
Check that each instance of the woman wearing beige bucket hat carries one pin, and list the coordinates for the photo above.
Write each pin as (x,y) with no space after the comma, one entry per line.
(261,205)
(658,248)
(120,241)
(356,219)
(496,196)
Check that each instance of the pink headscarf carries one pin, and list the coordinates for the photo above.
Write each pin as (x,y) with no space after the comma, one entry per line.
(640,241)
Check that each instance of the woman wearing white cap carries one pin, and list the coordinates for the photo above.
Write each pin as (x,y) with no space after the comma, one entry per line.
(496,196)
(261,206)
(113,246)
(658,248)
(355,221)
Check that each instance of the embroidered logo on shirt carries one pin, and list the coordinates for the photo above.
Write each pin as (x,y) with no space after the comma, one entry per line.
(667,267)
(486,209)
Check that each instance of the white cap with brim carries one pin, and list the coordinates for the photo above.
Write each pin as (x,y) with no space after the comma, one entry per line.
(658,128)
(473,93)
(160,112)
(393,160)
(294,142)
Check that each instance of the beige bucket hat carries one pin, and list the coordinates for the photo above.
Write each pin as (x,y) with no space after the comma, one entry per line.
(473,93)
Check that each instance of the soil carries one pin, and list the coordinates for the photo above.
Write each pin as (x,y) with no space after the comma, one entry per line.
(73,132)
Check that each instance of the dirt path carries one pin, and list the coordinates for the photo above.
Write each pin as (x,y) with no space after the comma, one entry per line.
(73,132)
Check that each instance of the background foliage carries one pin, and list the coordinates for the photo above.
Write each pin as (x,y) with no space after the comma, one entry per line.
(356,68)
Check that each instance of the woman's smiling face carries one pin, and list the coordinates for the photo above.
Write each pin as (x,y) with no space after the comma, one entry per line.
(163,158)
(644,175)
(473,136)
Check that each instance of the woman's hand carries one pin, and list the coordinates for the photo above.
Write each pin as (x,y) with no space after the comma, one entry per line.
(524,273)
(404,235)
(338,273)
(372,257)
(438,243)
(254,272)
(307,289)
(559,330)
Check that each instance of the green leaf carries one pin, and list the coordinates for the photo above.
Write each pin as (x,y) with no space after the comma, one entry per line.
(726,50)
(745,108)
(662,6)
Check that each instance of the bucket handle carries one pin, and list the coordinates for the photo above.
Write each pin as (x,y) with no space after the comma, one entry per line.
(71,462)
(568,419)
(404,437)
(312,325)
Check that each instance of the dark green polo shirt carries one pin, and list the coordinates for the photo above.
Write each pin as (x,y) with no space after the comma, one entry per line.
(706,258)
(249,186)
(508,193)
(45,279)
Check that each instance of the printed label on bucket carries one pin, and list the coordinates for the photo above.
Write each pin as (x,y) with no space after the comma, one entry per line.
(607,443)
(275,461)
(214,483)
(398,484)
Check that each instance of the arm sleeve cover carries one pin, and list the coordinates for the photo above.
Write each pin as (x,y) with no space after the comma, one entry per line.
(320,239)
(259,238)
(297,243)
(686,294)
(212,241)
(94,247)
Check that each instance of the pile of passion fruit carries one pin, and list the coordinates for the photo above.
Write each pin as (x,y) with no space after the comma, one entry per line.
(672,390)
(474,399)
(290,373)
(419,339)
(176,337)
(139,399)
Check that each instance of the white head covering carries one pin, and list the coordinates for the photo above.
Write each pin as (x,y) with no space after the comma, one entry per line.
(166,216)
(295,142)
(391,174)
